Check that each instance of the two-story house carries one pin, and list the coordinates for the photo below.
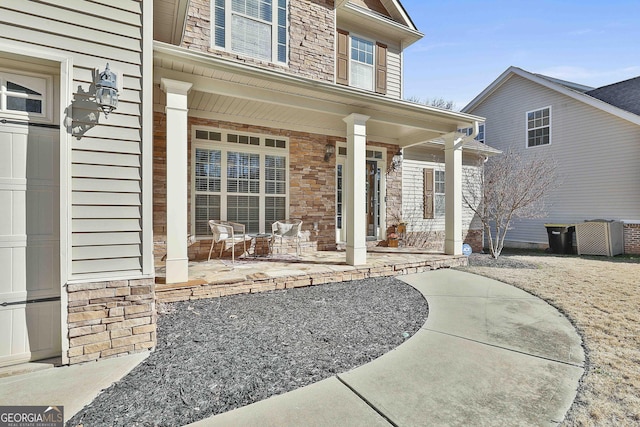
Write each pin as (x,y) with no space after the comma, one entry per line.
(244,110)
(592,134)
(273,109)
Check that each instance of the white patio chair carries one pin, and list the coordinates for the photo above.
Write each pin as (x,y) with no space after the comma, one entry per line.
(286,229)
(227,231)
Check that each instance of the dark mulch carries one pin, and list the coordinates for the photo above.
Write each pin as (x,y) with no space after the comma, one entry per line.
(219,354)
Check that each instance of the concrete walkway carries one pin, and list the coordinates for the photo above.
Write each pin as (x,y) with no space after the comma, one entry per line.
(489,354)
(73,387)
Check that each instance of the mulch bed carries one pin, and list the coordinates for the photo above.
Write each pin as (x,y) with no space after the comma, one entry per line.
(219,354)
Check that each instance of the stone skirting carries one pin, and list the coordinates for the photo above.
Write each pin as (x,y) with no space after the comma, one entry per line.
(260,282)
(111,318)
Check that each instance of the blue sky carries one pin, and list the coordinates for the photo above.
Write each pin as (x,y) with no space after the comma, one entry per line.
(468,44)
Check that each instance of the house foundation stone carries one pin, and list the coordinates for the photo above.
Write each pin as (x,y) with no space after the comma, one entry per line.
(110,318)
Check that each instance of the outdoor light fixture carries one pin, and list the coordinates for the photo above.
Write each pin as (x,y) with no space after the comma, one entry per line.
(107,91)
(396,160)
(329,149)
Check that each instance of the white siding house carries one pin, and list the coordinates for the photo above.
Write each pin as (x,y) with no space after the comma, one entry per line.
(596,144)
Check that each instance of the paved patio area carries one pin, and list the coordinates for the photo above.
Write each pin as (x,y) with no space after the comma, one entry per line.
(220,277)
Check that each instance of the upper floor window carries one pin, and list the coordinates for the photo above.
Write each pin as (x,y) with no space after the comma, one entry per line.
(361,63)
(256,28)
(479,137)
(539,127)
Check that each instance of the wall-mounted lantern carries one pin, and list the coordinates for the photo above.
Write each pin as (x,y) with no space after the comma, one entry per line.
(329,149)
(396,160)
(107,91)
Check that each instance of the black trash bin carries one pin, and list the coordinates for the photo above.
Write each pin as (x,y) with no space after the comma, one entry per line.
(560,238)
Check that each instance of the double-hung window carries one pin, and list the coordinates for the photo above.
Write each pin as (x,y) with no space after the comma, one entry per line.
(361,63)
(240,178)
(539,127)
(255,28)
(438,185)
(433,193)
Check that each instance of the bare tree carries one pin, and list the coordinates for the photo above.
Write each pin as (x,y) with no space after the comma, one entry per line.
(434,102)
(510,187)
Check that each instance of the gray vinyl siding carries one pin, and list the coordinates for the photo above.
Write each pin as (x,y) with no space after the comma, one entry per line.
(105,170)
(394,73)
(598,155)
(415,161)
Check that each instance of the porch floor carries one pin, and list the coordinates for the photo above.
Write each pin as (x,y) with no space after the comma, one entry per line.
(219,277)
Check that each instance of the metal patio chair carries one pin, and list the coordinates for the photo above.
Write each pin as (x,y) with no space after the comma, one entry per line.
(286,229)
(227,231)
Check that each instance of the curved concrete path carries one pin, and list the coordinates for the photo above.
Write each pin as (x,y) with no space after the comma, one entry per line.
(489,354)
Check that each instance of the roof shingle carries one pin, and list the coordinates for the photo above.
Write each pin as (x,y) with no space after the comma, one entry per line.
(624,95)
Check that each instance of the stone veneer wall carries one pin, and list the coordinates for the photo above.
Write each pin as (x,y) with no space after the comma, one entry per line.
(311,38)
(632,238)
(111,318)
(311,182)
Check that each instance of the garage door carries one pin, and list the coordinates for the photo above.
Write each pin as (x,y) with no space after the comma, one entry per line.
(29,224)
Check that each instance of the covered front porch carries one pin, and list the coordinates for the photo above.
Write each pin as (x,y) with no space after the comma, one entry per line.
(224,111)
(221,277)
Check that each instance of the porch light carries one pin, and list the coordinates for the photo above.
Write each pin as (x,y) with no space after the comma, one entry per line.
(396,160)
(107,91)
(329,149)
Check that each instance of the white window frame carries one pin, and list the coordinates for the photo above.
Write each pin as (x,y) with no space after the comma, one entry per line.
(372,88)
(46,96)
(437,194)
(482,130)
(228,20)
(262,150)
(527,129)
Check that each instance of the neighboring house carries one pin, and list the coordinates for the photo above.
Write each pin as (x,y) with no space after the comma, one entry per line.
(593,134)
(253,97)
(76,265)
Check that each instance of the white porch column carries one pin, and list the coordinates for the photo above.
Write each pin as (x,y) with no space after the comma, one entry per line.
(356,183)
(453,195)
(177,258)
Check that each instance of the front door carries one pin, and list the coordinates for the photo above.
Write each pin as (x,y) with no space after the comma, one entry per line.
(29,226)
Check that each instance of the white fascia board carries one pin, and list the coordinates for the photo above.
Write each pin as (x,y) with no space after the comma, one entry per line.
(348,96)
(578,96)
(408,35)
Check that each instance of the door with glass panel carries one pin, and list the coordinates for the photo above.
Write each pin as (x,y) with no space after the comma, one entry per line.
(374,207)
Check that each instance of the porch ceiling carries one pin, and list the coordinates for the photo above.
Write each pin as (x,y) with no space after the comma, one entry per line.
(230,91)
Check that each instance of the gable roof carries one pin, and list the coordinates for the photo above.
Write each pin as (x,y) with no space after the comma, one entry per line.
(624,95)
(561,86)
(570,85)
